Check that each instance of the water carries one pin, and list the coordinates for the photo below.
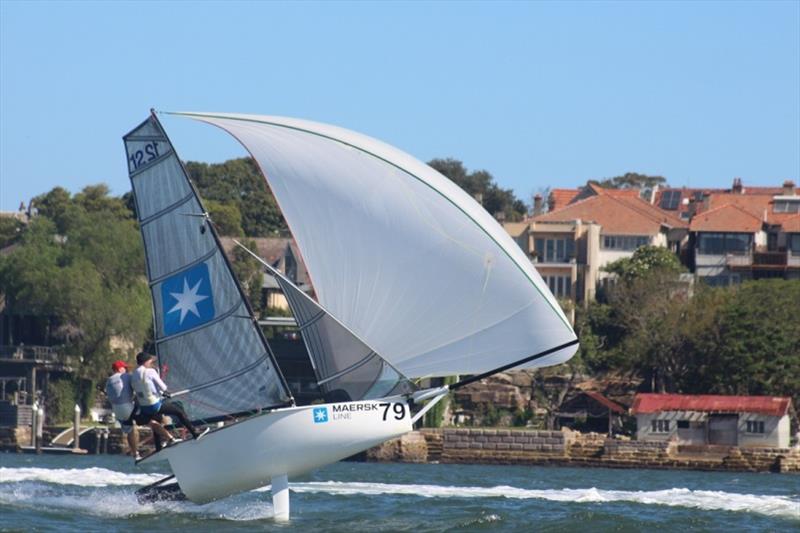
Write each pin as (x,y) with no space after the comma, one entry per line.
(95,493)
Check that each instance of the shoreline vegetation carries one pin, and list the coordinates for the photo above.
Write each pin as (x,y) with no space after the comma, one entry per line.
(77,266)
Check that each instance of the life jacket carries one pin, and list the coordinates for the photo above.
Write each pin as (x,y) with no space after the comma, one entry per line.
(141,386)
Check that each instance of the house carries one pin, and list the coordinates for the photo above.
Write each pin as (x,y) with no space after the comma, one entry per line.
(746,233)
(571,244)
(590,411)
(748,421)
(283,255)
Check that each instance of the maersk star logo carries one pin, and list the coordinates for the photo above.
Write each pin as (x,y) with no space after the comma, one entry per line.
(187,300)
(320,415)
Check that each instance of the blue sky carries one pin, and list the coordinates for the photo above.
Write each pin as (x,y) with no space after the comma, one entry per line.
(539,94)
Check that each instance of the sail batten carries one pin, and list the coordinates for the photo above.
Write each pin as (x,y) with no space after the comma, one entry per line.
(206,337)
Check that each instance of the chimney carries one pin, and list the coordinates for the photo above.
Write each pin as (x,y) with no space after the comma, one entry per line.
(737,186)
(706,200)
(537,205)
(479,197)
(692,208)
(788,188)
(500,216)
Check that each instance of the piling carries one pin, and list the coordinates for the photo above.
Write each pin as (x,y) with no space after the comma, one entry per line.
(76,427)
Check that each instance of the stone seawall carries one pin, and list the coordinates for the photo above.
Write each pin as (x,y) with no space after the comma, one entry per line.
(532,447)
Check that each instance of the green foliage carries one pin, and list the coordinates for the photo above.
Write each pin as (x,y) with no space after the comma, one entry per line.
(737,340)
(81,262)
(632,180)
(10,230)
(61,399)
(238,184)
(250,274)
(753,346)
(644,260)
(481,182)
(226,218)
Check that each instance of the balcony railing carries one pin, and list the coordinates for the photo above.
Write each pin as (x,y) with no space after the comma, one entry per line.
(36,354)
(739,259)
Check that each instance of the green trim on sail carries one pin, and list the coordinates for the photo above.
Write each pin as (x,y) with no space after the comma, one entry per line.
(558,312)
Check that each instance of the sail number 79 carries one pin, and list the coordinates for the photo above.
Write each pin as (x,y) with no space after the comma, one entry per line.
(398,410)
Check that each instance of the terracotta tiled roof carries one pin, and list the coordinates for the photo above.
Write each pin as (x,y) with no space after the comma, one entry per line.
(727,218)
(599,398)
(560,197)
(792,224)
(617,214)
(656,403)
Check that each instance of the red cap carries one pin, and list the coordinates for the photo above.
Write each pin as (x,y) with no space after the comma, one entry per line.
(119,364)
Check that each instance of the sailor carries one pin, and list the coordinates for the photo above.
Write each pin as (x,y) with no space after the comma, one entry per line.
(120,394)
(149,389)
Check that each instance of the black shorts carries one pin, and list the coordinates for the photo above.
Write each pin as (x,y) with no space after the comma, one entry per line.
(143,419)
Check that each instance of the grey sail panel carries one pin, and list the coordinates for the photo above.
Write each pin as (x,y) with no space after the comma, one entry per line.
(206,338)
(346,368)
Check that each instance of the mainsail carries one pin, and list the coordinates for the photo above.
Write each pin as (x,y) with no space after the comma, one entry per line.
(346,368)
(402,256)
(207,340)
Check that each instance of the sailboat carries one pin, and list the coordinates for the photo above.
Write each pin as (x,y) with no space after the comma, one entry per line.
(412,278)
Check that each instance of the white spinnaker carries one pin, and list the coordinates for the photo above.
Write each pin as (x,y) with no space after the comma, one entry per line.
(400,254)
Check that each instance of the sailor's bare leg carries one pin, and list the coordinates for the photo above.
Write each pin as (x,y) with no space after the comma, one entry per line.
(158,428)
(133,440)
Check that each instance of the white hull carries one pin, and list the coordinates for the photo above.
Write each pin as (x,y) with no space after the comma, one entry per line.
(246,455)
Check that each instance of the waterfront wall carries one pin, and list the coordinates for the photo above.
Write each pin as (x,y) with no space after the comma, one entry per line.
(532,447)
(509,447)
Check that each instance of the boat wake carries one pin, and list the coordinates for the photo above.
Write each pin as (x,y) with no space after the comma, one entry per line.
(87,490)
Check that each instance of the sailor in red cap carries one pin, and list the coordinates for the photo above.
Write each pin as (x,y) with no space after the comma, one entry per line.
(120,394)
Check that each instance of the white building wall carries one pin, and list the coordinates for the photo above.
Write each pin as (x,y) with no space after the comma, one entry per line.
(776,429)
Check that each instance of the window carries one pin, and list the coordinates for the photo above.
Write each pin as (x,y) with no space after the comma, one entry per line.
(683,424)
(787,206)
(755,426)
(624,242)
(724,243)
(660,426)
(560,286)
(555,250)
(793,242)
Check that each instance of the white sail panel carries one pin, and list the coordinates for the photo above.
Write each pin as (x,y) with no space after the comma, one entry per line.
(346,368)
(401,255)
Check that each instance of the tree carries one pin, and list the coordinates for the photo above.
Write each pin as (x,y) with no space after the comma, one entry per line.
(644,260)
(250,274)
(10,230)
(632,180)
(226,218)
(84,269)
(480,183)
(754,347)
(238,183)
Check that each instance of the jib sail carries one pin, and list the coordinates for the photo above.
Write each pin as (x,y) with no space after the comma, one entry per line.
(346,368)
